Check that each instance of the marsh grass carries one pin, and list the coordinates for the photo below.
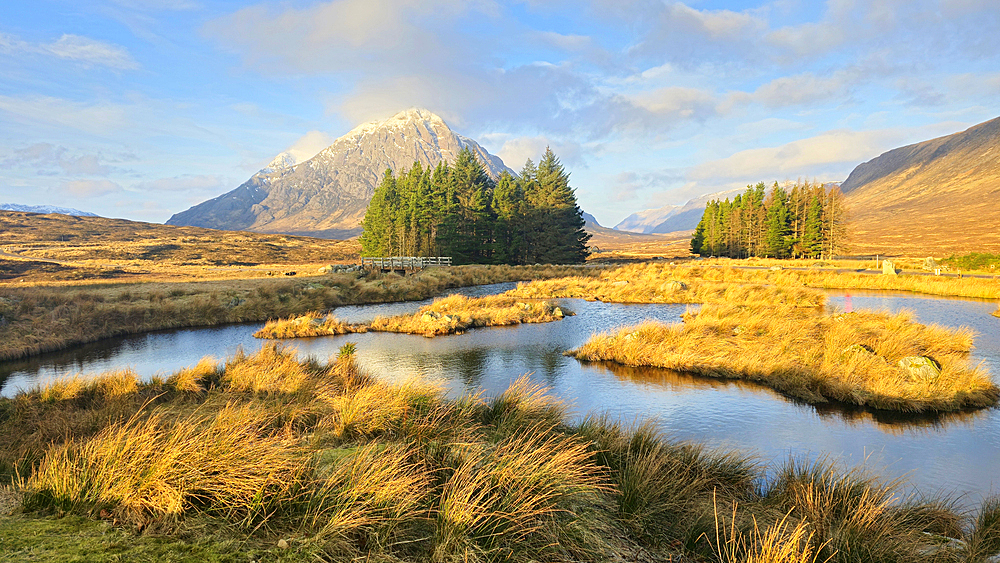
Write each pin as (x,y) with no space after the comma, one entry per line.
(446,315)
(809,355)
(657,283)
(308,325)
(997,312)
(44,318)
(344,467)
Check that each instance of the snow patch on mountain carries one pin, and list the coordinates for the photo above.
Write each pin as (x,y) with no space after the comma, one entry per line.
(45,209)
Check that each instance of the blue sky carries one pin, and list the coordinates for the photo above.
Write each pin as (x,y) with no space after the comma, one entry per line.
(142,108)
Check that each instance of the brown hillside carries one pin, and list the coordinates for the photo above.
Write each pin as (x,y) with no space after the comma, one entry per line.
(932,198)
(121,242)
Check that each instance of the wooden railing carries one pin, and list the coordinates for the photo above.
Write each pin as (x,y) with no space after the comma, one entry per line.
(404,262)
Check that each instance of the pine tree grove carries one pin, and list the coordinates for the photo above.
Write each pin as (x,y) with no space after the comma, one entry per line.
(807,221)
(457,210)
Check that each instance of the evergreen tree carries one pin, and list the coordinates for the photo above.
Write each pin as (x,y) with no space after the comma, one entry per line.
(812,236)
(778,236)
(561,220)
(458,211)
(376,238)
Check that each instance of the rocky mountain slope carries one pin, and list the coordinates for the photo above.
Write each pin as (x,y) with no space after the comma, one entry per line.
(936,197)
(326,195)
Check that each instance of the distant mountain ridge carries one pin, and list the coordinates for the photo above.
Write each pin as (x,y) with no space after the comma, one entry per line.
(938,196)
(672,218)
(326,195)
(45,209)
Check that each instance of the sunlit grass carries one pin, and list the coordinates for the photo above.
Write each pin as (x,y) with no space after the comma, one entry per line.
(446,315)
(342,466)
(852,358)
(660,283)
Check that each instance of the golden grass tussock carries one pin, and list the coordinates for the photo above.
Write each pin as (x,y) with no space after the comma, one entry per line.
(510,498)
(194,379)
(402,473)
(310,324)
(273,369)
(457,313)
(781,542)
(697,283)
(366,493)
(149,467)
(997,312)
(446,315)
(855,358)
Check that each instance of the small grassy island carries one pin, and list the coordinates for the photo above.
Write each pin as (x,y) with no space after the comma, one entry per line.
(269,458)
(447,315)
(866,358)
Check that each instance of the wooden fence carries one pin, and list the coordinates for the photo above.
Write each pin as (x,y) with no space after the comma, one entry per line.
(404,263)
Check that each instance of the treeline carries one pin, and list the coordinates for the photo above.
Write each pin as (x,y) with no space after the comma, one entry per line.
(807,221)
(457,210)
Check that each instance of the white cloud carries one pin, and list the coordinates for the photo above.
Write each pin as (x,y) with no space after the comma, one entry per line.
(828,156)
(309,145)
(91,188)
(515,152)
(99,118)
(46,158)
(82,50)
(677,102)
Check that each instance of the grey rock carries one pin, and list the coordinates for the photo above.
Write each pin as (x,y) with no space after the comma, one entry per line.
(673,286)
(920,368)
(888,268)
(327,195)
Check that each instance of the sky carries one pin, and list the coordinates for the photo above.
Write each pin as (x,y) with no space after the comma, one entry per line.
(142,108)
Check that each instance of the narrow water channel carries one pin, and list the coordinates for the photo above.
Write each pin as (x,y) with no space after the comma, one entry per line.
(955,454)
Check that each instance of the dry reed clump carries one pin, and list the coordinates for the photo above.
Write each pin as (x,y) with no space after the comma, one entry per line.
(854,517)
(363,495)
(310,324)
(457,313)
(273,369)
(447,315)
(194,379)
(811,356)
(514,498)
(663,488)
(401,473)
(228,463)
(997,312)
(781,542)
(108,385)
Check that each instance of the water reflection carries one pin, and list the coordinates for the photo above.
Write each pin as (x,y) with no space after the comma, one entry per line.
(887,421)
(955,452)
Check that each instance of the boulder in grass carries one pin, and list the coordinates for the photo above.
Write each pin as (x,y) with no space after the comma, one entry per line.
(673,286)
(888,268)
(558,313)
(619,283)
(920,368)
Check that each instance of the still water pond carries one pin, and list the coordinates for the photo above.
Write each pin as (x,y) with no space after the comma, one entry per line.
(954,454)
